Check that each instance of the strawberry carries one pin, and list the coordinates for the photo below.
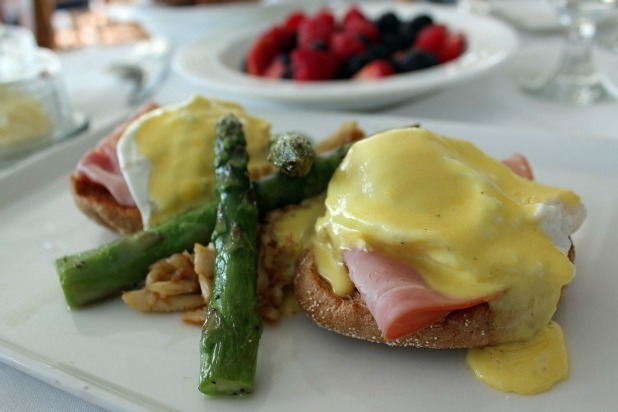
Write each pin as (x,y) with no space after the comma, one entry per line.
(277,69)
(261,53)
(363,28)
(431,38)
(453,47)
(345,44)
(275,40)
(311,64)
(375,69)
(314,32)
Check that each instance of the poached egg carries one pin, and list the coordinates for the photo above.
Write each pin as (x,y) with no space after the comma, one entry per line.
(167,155)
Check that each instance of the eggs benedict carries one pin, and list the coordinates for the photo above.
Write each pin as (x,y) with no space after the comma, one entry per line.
(428,242)
(160,162)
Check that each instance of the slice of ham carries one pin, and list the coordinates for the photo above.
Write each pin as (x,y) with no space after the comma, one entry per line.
(519,165)
(396,294)
(101,164)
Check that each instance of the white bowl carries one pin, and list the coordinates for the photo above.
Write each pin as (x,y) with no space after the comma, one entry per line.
(183,24)
(214,63)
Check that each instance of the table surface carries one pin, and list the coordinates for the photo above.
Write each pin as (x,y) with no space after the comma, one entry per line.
(495,99)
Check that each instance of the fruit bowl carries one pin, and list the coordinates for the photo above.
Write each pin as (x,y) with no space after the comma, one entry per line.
(215,64)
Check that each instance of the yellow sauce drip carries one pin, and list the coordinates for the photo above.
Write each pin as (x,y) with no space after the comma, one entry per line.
(178,141)
(461,218)
(529,367)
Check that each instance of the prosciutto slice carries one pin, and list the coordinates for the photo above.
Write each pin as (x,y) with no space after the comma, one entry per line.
(101,164)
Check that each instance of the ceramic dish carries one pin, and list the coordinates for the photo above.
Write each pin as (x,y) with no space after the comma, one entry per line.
(129,361)
(35,109)
(182,24)
(214,63)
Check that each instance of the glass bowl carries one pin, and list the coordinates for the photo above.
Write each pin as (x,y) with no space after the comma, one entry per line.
(34,107)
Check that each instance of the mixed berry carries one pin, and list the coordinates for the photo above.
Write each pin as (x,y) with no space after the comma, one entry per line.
(322,47)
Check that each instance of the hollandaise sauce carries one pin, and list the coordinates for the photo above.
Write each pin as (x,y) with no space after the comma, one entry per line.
(528,367)
(167,155)
(468,224)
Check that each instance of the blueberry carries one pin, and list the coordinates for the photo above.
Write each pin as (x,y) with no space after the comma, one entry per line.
(415,60)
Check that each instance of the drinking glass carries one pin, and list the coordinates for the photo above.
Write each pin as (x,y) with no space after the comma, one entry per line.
(576,79)
(607,35)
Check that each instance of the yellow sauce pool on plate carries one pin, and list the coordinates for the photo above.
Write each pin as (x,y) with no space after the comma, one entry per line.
(528,367)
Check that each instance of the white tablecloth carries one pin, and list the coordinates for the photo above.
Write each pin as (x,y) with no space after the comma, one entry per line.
(494,99)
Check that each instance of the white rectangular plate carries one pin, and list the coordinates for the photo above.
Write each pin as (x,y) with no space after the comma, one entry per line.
(125,360)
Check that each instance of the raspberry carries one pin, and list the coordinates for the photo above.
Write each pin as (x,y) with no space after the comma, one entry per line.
(431,38)
(293,20)
(314,32)
(364,29)
(326,18)
(308,64)
(353,13)
(345,44)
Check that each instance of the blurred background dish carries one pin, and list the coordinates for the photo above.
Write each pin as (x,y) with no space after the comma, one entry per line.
(185,23)
(528,15)
(34,107)
(607,32)
(214,63)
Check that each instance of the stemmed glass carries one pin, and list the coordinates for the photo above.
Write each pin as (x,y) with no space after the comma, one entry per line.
(576,79)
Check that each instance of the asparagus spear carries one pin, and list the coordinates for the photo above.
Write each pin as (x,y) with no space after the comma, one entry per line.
(94,274)
(292,153)
(278,190)
(231,333)
(98,273)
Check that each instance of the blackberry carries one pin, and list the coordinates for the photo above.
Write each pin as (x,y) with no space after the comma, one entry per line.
(348,68)
(388,23)
(409,30)
(393,41)
(377,51)
(421,21)
(415,60)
